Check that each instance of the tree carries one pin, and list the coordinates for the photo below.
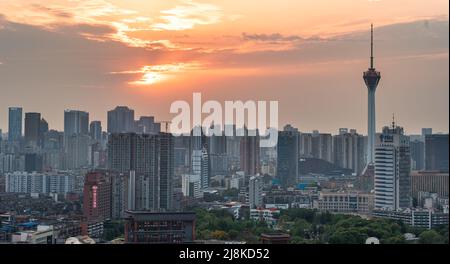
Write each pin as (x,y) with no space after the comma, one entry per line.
(394,240)
(219,234)
(431,237)
(347,236)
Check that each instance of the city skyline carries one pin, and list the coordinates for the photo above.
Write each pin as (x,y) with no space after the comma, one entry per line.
(93,55)
(224,122)
(138,119)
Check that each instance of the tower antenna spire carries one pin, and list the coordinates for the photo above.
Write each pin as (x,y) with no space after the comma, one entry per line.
(393,121)
(371,46)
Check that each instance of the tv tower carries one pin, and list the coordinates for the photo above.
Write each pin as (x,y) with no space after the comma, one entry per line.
(371,78)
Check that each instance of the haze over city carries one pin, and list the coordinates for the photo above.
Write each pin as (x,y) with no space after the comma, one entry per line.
(92,55)
(215,123)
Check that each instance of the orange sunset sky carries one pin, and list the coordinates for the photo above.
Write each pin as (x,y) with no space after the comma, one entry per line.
(93,55)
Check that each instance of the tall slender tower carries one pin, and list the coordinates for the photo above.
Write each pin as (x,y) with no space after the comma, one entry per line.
(371,78)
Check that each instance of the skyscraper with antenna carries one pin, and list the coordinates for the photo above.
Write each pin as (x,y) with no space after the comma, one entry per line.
(371,78)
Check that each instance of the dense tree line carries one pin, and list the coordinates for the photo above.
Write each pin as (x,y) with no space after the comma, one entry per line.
(308,226)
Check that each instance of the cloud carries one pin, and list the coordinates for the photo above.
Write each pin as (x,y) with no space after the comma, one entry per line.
(277,37)
(70,70)
(51,11)
(92,29)
(187,15)
(97,20)
(274,37)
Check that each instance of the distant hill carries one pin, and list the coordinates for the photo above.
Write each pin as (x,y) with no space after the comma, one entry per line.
(319,166)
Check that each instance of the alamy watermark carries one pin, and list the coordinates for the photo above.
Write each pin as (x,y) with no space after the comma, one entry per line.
(234,113)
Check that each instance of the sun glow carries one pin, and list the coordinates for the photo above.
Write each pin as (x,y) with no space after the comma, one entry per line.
(152,74)
(151,78)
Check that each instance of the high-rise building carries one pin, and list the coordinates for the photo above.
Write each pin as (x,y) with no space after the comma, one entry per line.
(426,131)
(371,79)
(348,151)
(250,152)
(53,150)
(190,185)
(436,152)
(151,157)
(196,162)
(95,131)
(166,171)
(14,123)
(76,122)
(205,168)
(32,128)
(417,154)
(392,170)
(217,144)
(43,129)
(147,125)
(77,151)
(255,191)
(218,154)
(33,162)
(121,120)
(321,146)
(287,158)
(97,194)
(316,145)
(49,182)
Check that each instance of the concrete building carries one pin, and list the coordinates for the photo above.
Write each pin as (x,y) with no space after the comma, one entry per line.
(14,123)
(345,202)
(255,192)
(392,170)
(121,120)
(151,157)
(147,125)
(97,195)
(275,238)
(250,152)
(159,228)
(269,216)
(76,122)
(429,181)
(417,155)
(287,158)
(205,172)
(436,152)
(77,149)
(95,131)
(348,151)
(42,235)
(49,182)
(32,129)
(191,185)
(316,145)
(417,218)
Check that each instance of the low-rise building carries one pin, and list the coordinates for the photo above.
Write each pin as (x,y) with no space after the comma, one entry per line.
(429,181)
(275,238)
(269,216)
(345,202)
(418,218)
(159,227)
(43,235)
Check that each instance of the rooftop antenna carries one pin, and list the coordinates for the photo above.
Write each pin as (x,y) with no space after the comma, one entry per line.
(371,46)
(393,121)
